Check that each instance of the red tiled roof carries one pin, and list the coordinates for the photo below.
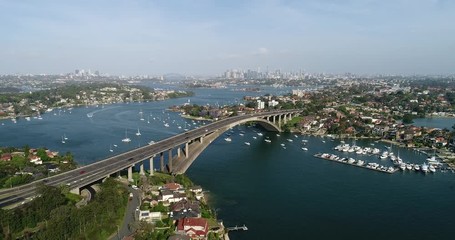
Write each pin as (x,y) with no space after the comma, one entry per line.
(172,186)
(193,222)
(6,157)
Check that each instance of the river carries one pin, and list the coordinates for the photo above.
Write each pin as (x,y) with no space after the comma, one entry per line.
(277,192)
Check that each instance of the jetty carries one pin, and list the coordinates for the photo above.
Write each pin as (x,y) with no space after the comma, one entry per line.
(335,158)
(236,228)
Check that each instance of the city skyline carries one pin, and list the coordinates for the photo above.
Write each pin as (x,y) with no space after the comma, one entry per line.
(205,37)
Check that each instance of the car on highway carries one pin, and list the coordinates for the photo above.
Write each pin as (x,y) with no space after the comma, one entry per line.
(82,172)
(131,196)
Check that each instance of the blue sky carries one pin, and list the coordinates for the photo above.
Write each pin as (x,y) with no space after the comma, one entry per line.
(208,37)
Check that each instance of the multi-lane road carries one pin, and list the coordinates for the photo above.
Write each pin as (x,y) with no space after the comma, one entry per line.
(88,174)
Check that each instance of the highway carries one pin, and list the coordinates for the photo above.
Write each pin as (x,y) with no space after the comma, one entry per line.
(88,174)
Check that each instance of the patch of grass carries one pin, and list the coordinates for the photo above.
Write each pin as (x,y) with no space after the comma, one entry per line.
(74,198)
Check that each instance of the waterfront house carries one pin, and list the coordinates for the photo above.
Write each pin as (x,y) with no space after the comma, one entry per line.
(185,209)
(6,157)
(196,228)
(165,195)
(35,159)
(177,197)
(172,186)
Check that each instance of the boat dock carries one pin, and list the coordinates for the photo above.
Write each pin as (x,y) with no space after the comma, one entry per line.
(244,228)
(365,166)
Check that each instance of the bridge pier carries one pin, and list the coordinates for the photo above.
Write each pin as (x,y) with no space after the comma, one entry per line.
(285,119)
(273,118)
(201,139)
(151,165)
(141,167)
(130,174)
(169,164)
(178,151)
(187,149)
(162,162)
(279,121)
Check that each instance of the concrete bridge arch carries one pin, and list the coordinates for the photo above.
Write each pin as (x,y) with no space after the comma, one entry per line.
(182,162)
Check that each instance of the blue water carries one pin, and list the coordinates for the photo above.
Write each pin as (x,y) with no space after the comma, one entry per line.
(435,122)
(278,193)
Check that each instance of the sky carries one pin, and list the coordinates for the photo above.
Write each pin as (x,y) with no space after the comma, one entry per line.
(136,37)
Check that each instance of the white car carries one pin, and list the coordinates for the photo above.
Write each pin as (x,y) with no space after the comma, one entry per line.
(134,187)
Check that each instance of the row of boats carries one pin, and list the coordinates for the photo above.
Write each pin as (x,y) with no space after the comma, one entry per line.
(396,160)
(357,149)
(416,167)
(359,163)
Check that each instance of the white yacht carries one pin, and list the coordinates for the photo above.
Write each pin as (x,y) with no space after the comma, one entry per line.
(228,139)
(268,140)
(138,132)
(409,166)
(290,140)
(247,143)
(110,149)
(259,134)
(384,155)
(63,140)
(416,167)
(126,139)
(403,167)
(151,142)
(305,149)
(424,168)
(432,169)
(283,145)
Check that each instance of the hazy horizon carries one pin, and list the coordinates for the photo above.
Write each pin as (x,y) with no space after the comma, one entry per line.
(208,37)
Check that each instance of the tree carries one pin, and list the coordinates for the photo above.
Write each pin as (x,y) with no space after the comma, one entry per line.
(407,119)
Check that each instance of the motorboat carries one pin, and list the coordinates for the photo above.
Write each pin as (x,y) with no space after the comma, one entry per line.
(424,168)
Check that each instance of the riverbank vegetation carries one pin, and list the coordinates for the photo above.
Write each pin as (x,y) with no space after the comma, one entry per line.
(34,103)
(23,165)
(51,215)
